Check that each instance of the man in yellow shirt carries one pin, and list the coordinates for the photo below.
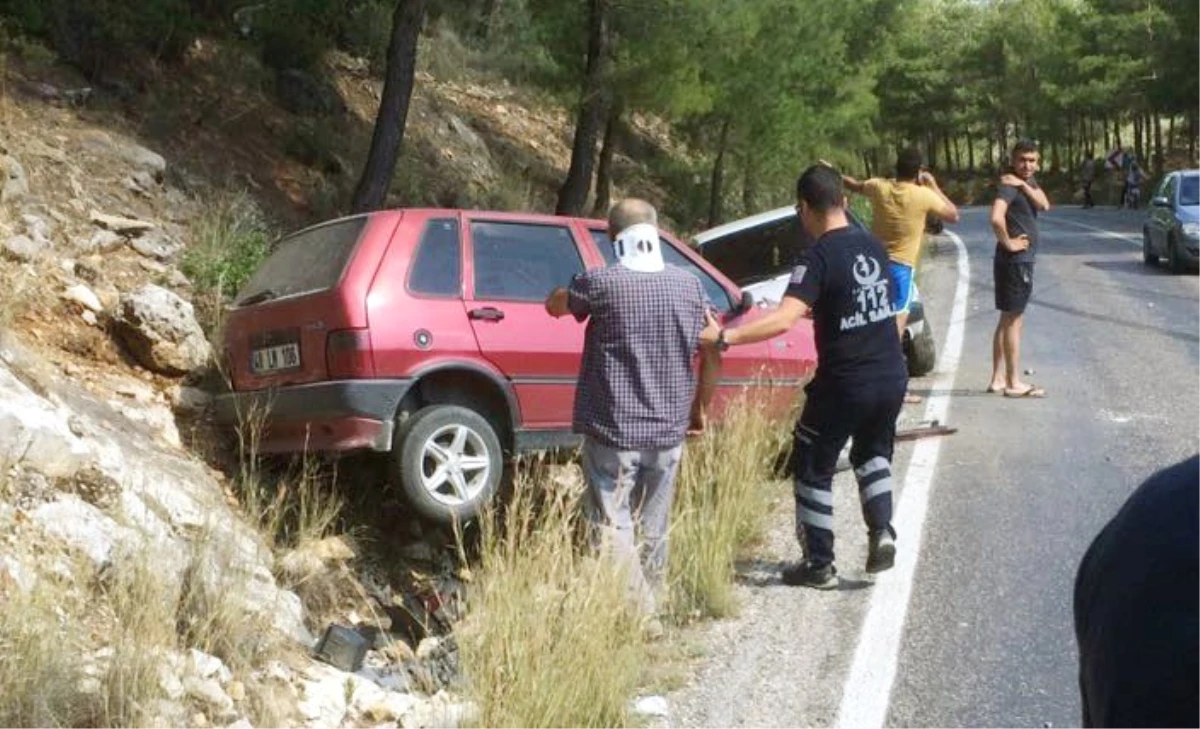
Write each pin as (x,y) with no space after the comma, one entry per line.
(899,207)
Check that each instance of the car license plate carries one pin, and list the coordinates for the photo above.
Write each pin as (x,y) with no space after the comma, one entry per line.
(273,359)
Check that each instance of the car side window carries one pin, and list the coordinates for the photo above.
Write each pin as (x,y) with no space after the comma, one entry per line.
(713,289)
(1168,190)
(436,269)
(522,261)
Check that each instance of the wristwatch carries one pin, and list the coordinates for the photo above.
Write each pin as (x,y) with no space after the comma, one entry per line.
(722,345)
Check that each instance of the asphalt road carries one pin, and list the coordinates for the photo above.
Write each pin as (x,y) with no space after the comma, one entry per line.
(1021,491)
(1011,503)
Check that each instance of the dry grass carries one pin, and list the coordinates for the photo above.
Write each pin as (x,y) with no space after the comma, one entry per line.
(40,672)
(212,613)
(721,505)
(549,639)
(16,282)
(143,632)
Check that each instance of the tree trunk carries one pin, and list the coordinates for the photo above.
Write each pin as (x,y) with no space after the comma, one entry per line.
(1117,132)
(1138,148)
(572,196)
(957,154)
(397,89)
(1159,159)
(1170,134)
(866,160)
(750,184)
(1191,118)
(970,151)
(1107,139)
(1072,163)
(372,188)
(718,178)
(931,144)
(604,167)
(489,14)
(946,151)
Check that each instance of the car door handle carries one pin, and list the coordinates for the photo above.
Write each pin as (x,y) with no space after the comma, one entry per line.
(487,313)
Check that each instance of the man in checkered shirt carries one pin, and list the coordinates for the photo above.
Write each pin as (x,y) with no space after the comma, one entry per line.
(637,391)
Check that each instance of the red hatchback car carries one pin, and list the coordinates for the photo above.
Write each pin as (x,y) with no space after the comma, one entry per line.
(423,333)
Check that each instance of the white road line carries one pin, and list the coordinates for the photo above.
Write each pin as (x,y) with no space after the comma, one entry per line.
(868,689)
(1101,232)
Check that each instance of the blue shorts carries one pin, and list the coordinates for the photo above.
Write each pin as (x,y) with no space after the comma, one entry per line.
(902,288)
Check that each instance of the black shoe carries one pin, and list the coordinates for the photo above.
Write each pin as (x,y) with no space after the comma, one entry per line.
(804,574)
(881,551)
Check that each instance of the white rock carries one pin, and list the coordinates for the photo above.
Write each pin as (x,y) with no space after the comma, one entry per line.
(652,706)
(428,647)
(13,571)
(22,248)
(84,527)
(190,399)
(119,224)
(89,318)
(103,144)
(84,296)
(36,227)
(16,183)
(170,684)
(102,241)
(162,332)
(205,666)
(208,691)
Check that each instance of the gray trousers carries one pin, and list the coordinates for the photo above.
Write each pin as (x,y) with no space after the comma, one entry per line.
(631,492)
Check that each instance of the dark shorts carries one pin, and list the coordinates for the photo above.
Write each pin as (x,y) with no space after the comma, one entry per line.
(1014,284)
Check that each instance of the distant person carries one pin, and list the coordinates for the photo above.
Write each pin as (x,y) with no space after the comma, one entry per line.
(858,388)
(1137,610)
(637,392)
(899,208)
(1087,174)
(1134,178)
(1018,201)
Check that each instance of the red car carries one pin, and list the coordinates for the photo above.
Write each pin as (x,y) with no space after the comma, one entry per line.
(423,333)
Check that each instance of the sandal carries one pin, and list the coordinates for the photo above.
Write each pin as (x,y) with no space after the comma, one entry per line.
(1031,391)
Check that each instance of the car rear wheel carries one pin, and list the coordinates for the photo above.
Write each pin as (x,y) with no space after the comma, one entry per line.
(1178,265)
(449,463)
(1148,255)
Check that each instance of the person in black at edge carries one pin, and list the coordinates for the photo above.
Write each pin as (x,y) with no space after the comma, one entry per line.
(1137,608)
(861,377)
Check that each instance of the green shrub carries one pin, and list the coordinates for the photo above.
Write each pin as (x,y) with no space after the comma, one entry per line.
(295,33)
(229,242)
(95,34)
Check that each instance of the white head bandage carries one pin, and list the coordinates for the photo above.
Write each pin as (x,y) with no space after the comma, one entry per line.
(637,248)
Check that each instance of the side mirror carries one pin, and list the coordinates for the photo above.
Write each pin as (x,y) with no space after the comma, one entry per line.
(745,304)
(1160,202)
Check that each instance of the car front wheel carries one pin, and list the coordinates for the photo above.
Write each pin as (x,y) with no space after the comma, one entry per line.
(920,351)
(1178,265)
(449,463)
(1148,255)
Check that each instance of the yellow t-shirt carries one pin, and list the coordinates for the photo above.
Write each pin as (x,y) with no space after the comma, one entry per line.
(899,210)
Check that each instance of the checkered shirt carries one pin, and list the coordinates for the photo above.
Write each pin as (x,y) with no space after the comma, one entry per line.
(638,378)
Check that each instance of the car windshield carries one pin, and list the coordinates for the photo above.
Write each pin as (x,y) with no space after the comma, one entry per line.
(1189,190)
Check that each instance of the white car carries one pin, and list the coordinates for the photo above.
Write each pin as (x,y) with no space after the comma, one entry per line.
(759,252)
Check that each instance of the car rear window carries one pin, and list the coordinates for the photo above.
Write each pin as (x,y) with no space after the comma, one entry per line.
(305,262)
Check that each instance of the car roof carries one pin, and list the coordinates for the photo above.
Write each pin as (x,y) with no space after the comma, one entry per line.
(738,226)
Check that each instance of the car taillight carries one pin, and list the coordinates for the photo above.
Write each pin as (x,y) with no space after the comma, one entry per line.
(348,354)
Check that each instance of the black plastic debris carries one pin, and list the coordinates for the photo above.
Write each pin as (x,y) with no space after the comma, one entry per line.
(342,647)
